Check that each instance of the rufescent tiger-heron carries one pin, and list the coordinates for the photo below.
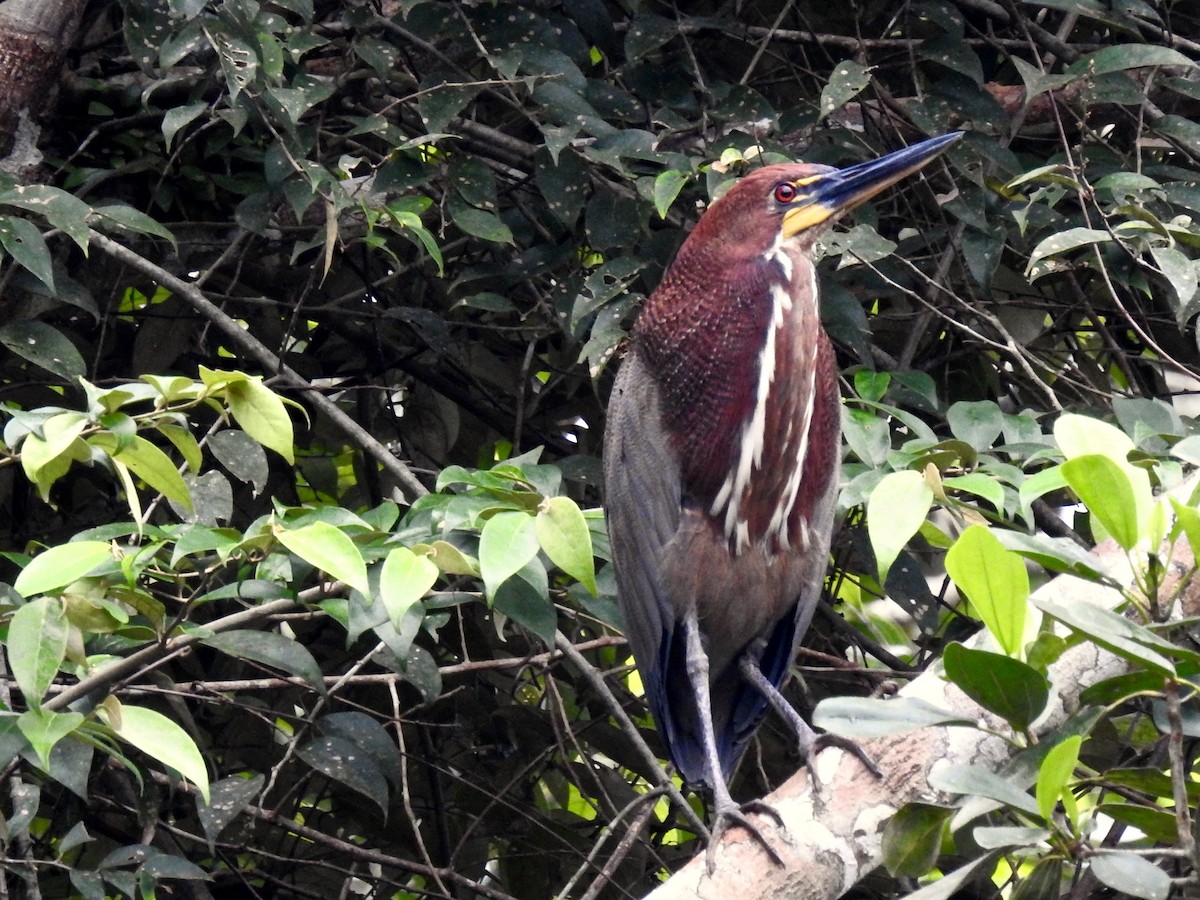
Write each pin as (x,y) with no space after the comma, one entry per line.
(721,464)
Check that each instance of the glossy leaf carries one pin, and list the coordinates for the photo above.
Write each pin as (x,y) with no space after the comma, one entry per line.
(44,346)
(61,565)
(979,782)
(996,583)
(1131,875)
(159,737)
(912,839)
(404,579)
(508,541)
(1056,769)
(328,549)
(867,717)
(895,510)
(1000,684)
(1119,496)
(563,535)
(37,645)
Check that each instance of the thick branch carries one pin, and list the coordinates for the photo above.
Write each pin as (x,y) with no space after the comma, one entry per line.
(833,835)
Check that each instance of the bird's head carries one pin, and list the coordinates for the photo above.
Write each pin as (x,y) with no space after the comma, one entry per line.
(793,201)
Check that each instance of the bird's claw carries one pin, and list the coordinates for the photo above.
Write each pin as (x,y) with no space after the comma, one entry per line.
(821,741)
(734,816)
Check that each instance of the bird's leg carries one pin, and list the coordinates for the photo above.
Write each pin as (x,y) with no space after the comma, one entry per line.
(810,742)
(728,813)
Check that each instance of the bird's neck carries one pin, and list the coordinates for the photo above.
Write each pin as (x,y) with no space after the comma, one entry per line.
(749,391)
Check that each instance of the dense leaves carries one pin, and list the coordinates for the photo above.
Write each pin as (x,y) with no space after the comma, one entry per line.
(311,309)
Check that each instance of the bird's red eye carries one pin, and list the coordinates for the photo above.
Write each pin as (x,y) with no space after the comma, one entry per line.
(785,192)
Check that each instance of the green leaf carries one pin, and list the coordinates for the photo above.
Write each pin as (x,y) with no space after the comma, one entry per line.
(912,839)
(44,346)
(507,543)
(995,581)
(978,423)
(22,240)
(344,761)
(869,717)
(403,581)
(525,598)
(148,463)
(667,186)
(895,510)
(229,798)
(976,781)
(478,222)
(1000,684)
(62,210)
(330,550)
(1118,495)
(59,433)
(949,884)
(61,565)
(133,219)
(1131,875)
(262,415)
(43,729)
(1057,767)
(1062,242)
(563,534)
(37,645)
(179,117)
(1114,632)
(160,738)
(1078,435)
(848,80)
(1125,56)
(983,486)
(271,649)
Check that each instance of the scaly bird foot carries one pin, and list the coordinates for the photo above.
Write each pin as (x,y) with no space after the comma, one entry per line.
(734,816)
(821,741)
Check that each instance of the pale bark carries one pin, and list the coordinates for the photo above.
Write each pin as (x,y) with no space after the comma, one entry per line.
(833,836)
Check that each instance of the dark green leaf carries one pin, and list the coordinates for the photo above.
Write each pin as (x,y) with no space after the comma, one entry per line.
(1000,684)
(44,346)
(270,649)
(912,839)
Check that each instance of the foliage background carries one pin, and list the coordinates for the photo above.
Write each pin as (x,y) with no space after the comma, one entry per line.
(428,226)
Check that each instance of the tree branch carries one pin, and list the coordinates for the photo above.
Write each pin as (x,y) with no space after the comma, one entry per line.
(834,833)
(254,349)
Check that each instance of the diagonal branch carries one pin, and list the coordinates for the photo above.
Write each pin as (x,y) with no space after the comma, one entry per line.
(257,351)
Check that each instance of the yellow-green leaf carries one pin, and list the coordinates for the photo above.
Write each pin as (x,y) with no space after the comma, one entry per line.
(995,581)
(563,534)
(895,510)
(329,550)
(61,565)
(157,736)
(261,414)
(403,581)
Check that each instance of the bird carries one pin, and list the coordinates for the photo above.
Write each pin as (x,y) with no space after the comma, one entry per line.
(721,461)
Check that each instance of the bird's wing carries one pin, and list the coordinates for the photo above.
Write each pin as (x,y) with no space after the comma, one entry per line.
(643,492)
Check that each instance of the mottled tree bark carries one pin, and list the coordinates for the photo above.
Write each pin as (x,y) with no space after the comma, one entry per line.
(834,834)
(34,38)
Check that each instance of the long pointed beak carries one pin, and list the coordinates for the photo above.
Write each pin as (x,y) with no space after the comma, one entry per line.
(832,193)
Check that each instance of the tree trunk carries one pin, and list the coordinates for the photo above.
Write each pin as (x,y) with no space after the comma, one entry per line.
(34,38)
